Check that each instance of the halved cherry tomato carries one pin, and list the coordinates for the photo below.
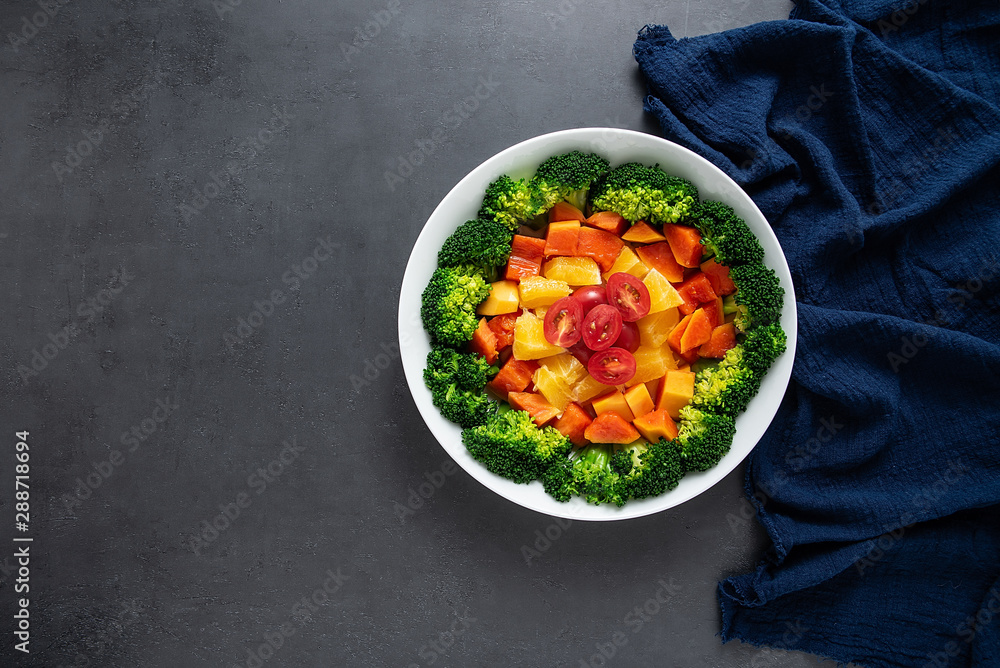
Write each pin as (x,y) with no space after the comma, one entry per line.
(563,322)
(601,327)
(591,296)
(613,366)
(629,295)
(629,338)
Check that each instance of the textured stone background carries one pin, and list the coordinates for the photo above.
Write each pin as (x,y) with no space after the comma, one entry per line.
(141,229)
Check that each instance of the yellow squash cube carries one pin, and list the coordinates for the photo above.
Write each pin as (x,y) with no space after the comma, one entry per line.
(628,262)
(573,270)
(662,295)
(529,339)
(537,291)
(655,327)
(503,299)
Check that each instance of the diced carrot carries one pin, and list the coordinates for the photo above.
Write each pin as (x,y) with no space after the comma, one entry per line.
(698,331)
(642,233)
(674,340)
(658,256)
(610,427)
(503,328)
(562,238)
(685,242)
(484,342)
(722,341)
(609,221)
(656,425)
(562,211)
(603,246)
(514,376)
(718,276)
(536,406)
(526,255)
(573,424)
(694,291)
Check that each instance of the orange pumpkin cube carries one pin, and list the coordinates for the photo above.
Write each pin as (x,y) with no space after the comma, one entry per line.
(613,402)
(718,276)
(675,392)
(723,340)
(603,246)
(685,242)
(573,424)
(698,331)
(638,399)
(526,255)
(658,256)
(563,211)
(484,342)
(643,233)
(656,425)
(535,405)
(610,427)
(561,238)
(609,221)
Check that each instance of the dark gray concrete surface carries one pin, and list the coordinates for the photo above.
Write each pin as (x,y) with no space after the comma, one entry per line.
(170,170)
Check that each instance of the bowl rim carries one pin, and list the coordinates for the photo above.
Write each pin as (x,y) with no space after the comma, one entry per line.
(466,196)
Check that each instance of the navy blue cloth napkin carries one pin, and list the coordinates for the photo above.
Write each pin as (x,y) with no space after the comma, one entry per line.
(869,135)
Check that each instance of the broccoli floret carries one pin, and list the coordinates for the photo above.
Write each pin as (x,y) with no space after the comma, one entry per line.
(468,371)
(482,243)
(704,438)
(589,473)
(557,480)
(511,445)
(593,477)
(448,305)
(762,346)
(726,235)
(568,176)
(729,305)
(602,474)
(727,387)
(622,462)
(758,295)
(456,381)
(637,192)
(511,202)
(655,468)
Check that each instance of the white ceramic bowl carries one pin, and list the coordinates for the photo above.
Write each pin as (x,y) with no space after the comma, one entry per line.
(521,160)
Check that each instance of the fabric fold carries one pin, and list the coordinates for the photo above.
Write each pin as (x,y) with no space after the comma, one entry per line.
(869,136)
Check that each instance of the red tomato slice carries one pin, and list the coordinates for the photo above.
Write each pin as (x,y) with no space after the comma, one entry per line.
(601,327)
(629,295)
(563,322)
(591,296)
(613,366)
(629,338)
